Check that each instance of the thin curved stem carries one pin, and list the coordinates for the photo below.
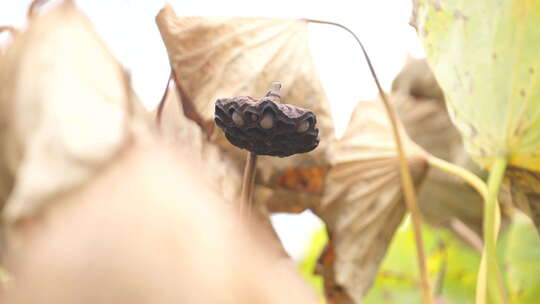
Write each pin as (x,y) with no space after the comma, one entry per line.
(496,285)
(406,177)
(248,182)
(489,272)
(472,179)
(492,285)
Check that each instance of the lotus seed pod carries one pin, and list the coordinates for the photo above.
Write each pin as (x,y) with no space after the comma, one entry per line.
(282,130)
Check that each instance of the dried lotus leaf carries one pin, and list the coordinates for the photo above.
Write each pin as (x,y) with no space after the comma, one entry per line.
(67,107)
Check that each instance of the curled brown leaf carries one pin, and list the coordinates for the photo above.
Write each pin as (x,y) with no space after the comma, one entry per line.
(353,185)
(219,57)
(362,204)
(183,134)
(63,107)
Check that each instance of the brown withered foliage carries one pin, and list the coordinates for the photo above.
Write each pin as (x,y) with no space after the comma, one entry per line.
(222,57)
(64,116)
(362,204)
(159,237)
(93,193)
(352,184)
(103,209)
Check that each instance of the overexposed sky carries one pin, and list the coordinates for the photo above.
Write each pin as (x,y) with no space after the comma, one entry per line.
(128,27)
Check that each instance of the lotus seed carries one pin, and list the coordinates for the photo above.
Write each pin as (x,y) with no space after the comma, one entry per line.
(303,126)
(267,122)
(237,119)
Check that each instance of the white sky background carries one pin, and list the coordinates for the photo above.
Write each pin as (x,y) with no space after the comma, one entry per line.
(128,27)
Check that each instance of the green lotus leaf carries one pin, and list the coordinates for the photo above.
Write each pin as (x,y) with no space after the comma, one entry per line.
(485,56)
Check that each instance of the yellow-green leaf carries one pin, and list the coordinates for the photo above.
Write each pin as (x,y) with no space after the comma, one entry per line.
(485,56)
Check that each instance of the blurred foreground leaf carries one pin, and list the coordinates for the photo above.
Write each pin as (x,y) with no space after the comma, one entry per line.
(4,276)
(68,112)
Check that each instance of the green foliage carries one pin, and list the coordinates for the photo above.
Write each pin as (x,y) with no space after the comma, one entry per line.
(523,262)
(309,262)
(484,54)
(453,265)
(485,57)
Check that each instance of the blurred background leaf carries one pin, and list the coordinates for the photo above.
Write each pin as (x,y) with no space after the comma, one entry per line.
(452,265)
(308,264)
(523,256)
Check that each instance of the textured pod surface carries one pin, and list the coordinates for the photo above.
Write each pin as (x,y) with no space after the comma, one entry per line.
(266,127)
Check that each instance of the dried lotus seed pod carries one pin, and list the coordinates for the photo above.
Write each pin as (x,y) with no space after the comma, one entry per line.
(266,126)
